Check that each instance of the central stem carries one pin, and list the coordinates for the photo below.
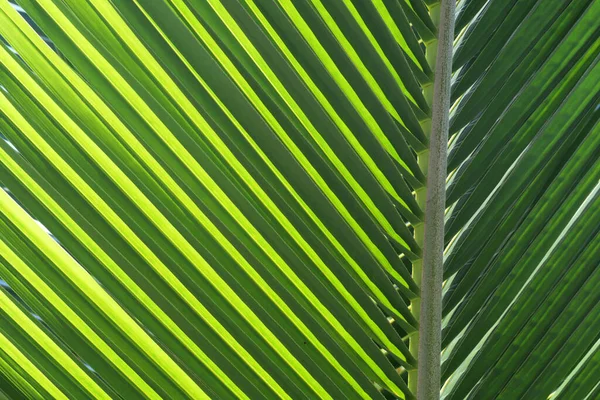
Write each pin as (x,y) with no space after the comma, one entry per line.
(429,271)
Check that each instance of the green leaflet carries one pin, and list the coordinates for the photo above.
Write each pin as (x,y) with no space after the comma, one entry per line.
(29,375)
(280,303)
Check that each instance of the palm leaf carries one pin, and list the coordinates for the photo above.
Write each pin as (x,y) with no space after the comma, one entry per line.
(225,198)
